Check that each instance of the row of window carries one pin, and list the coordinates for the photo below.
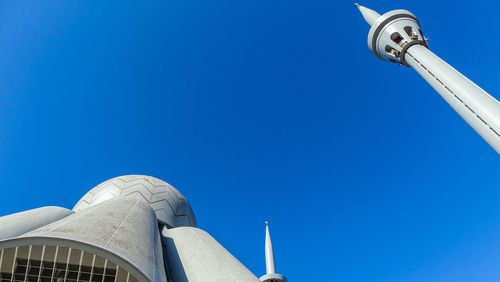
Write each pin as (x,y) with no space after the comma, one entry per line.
(398,39)
(54,263)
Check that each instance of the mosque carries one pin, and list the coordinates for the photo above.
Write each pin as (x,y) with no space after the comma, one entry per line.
(139,228)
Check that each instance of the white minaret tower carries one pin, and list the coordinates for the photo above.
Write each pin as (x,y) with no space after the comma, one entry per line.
(271,275)
(396,37)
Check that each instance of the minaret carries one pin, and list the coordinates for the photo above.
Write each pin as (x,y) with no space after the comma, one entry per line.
(271,275)
(396,37)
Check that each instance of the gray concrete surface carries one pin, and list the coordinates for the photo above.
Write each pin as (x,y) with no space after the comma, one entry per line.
(194,256)
(126,227)
(22,222)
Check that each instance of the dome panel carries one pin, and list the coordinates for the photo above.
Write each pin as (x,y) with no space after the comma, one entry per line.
(168,203)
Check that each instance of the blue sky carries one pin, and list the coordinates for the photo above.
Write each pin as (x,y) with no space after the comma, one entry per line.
(261,110)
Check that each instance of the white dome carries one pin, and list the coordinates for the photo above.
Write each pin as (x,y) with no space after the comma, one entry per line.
(170,206)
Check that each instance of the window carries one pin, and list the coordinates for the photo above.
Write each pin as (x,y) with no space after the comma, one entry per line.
(396,37)
(411,33)
(391,51)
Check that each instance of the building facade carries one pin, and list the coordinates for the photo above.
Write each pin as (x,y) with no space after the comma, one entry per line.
(129,228)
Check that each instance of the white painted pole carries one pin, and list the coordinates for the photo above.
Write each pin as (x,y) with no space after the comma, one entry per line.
(478,108)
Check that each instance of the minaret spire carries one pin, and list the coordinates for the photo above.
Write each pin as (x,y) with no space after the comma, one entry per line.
(270,266)
(370,15)
(271,275)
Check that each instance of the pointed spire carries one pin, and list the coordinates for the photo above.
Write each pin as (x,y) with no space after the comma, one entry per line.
(370,15)
(270,267)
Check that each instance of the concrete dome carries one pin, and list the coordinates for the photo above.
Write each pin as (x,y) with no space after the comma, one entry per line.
(170,206)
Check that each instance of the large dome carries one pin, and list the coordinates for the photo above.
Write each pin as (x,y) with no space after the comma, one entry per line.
(170,206)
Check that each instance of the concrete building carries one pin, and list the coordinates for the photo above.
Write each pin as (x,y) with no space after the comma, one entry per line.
(129,228)
(397,37)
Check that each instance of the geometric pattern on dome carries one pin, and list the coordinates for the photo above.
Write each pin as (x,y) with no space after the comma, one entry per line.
(168,203)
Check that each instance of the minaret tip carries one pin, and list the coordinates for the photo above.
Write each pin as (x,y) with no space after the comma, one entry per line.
(369,15)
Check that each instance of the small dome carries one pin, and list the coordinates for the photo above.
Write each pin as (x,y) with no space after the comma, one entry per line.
(170,206)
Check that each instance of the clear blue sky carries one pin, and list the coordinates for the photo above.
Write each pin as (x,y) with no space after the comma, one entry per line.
(261,110)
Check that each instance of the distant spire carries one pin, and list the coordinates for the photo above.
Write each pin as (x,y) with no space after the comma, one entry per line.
(271,275)
(270,267)
(370,15)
